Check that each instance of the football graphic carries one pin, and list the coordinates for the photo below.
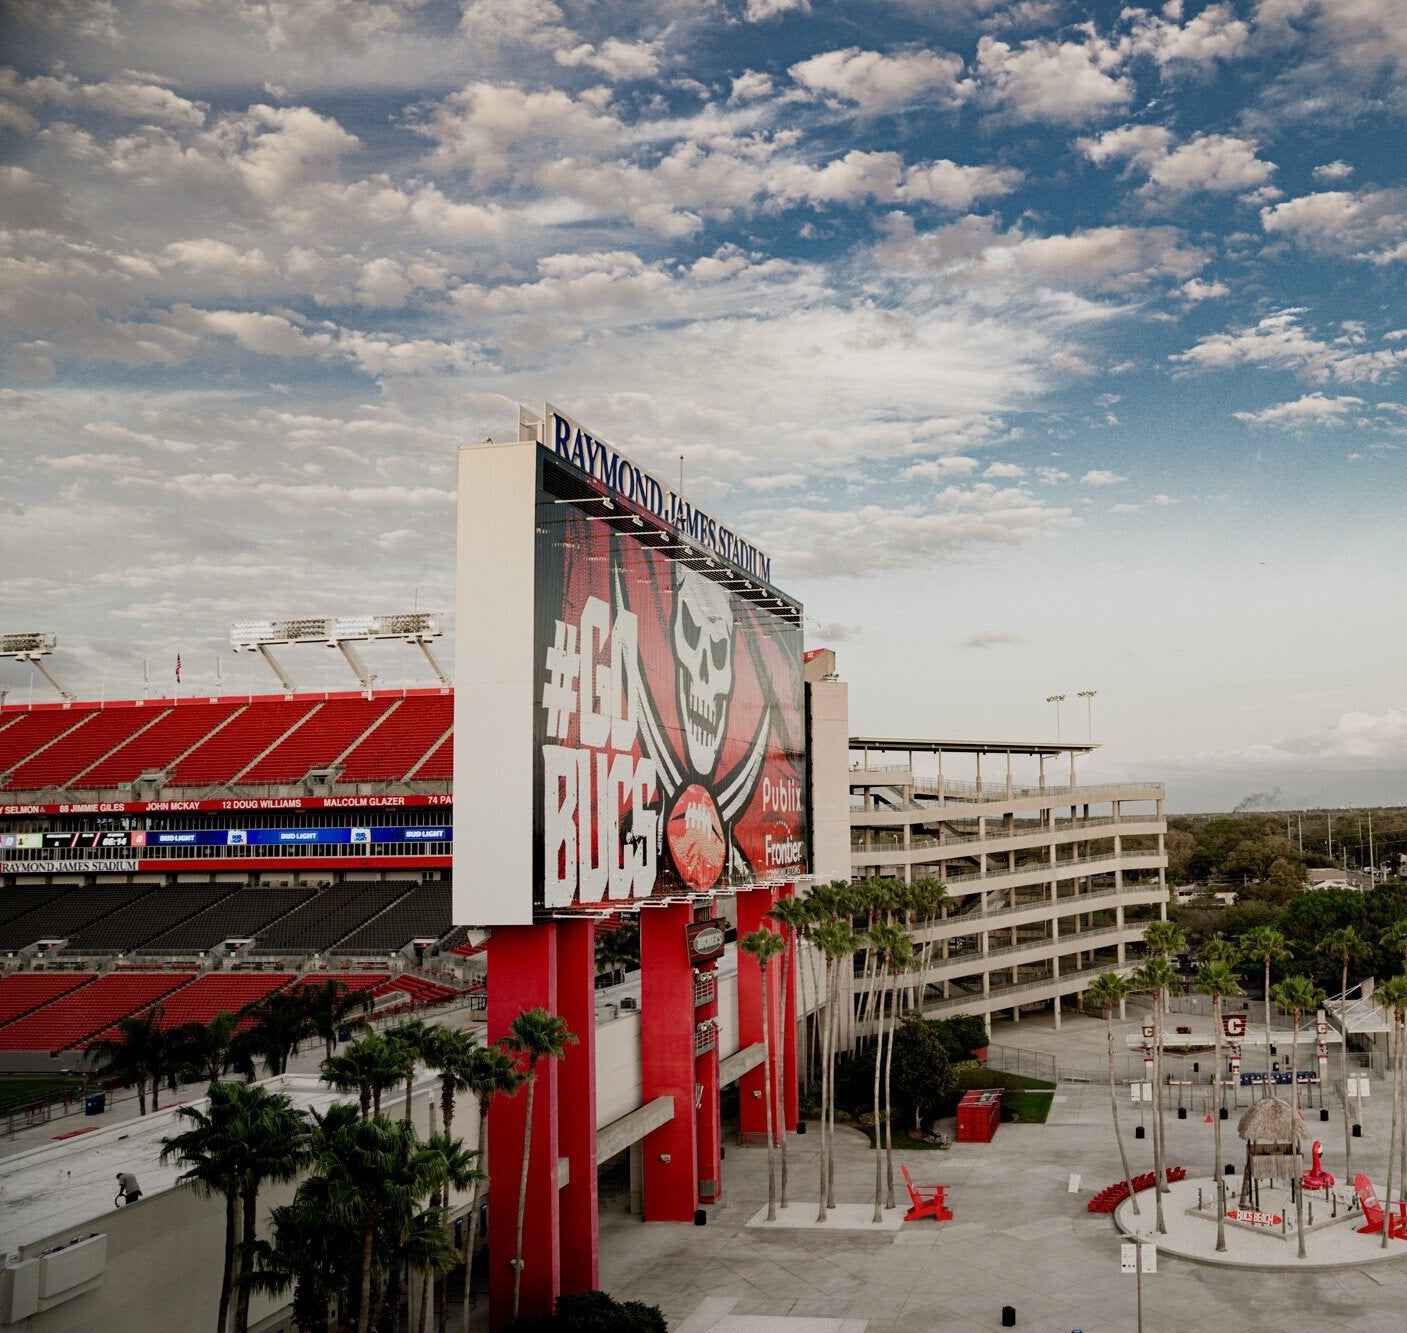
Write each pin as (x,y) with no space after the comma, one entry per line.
(695,835)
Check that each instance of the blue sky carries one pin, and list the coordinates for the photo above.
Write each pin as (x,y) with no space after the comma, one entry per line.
(1045,346)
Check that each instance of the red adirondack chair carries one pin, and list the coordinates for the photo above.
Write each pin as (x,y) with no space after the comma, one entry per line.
(927,1200)
(1373,1211)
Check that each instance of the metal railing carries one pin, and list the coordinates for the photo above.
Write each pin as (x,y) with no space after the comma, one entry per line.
(1028,1064)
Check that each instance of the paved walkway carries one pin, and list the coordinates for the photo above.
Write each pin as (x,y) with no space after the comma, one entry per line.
(1018,1238)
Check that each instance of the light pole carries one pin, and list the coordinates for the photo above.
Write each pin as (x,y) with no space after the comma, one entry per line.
(1057,700)
(1088,697)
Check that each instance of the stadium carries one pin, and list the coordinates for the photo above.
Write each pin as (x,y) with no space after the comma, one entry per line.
(680,768)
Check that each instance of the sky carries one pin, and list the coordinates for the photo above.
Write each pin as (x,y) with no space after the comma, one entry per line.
(1045,347)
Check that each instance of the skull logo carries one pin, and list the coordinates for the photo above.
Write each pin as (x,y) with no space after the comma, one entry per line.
(703,653)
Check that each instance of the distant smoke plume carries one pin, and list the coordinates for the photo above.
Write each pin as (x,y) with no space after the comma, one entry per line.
(1258,800)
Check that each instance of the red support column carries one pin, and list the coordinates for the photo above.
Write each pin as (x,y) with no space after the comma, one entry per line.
(752,1111)
(789,1094)
(667,1061)
(576,1099)
(522,967)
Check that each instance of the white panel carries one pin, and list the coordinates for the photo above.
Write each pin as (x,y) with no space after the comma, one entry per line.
(828,766)
(619,1078)
(493,677)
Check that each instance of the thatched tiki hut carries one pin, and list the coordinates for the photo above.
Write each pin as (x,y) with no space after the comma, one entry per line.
(1271,1131)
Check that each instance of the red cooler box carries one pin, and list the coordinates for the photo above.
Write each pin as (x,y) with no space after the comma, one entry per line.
(979,1114)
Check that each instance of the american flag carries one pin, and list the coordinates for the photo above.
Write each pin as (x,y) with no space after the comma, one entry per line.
(178,668)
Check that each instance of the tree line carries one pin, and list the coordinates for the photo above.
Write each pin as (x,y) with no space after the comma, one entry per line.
(369,1214)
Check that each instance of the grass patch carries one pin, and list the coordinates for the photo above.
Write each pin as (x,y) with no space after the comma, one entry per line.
(904,1142)
(18,1090)
(1030,1107)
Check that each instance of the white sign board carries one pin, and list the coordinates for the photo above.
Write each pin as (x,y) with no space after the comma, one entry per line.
(1128,1258)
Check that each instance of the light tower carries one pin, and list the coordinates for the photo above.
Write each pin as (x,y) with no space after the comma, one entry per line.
(1057,700)
(31,648)
(1088,697)
(415,627)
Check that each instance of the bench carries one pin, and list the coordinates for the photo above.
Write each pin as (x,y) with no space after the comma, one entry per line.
(927,1200)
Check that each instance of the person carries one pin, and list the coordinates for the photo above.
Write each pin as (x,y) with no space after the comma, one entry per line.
(127,1187)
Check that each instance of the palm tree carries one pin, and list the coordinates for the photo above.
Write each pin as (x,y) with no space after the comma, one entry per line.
(535,1035)
(1392,996)
(332,1007)
(836,941)
(901,960)
(1164,938)
(205,1050)
(138,1053)
(764,946)
(307,1252)
(425,1245)
(491,1073)
(1345,944)
(247,1138)
(1268,945)
(1299,995)
(929,897)
(369,1066)
(210,1153)
(375,1175)
(1215,978)
(1107,990)
(450,1052)
(278,1024)
(1156,976)
(793,916)
(408,1038)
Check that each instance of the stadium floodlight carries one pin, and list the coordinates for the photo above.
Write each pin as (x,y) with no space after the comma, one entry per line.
(30,648)
(340,632)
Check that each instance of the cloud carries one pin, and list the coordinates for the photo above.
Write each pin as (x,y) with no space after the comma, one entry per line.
(1063,83)
(484,128)
(1354,741)
(1213,35)
(1312,410)
(1006,470)
(750,85)
(1197,289)
(935,469)
(1101,477)
(1280,342)
(973,251)
(759,11)
(875,82)
(617,60)
(992,638)
(1217,163)
(1370,225)
(1332,171)
(962,522)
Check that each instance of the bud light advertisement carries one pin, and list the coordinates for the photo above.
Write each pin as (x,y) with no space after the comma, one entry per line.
(669,728)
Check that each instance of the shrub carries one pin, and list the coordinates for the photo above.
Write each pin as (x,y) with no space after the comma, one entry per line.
(595,1312)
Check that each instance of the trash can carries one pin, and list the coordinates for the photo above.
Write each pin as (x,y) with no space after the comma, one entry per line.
(95,1103)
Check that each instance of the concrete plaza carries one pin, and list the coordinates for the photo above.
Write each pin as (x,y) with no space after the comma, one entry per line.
(1018,1236)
